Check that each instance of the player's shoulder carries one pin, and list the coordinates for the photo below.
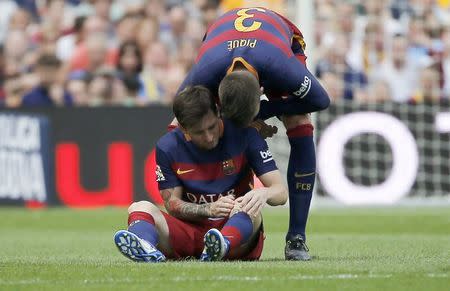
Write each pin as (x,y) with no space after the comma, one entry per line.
(170,142)
(242,133)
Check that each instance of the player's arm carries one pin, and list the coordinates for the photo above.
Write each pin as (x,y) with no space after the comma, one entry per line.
(273,193)
(262,163)
(182,209)
(306,94)
(192,211)
(275,189)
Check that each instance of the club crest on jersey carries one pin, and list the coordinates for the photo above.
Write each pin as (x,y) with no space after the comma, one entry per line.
(228,167)
(159,175)
(304,88)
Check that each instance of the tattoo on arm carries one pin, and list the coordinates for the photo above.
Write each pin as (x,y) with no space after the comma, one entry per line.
(182,209)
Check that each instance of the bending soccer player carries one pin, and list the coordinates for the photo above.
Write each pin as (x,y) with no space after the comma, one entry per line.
(205,174)
(252,46)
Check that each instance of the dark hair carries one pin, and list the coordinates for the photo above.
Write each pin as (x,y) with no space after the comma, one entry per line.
(137,53)
(239,94)
(79,23)
(131,83)
(192,104)
(48,60)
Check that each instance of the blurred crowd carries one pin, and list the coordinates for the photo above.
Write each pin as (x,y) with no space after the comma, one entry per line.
(379,50)
(98,52)
(137,52)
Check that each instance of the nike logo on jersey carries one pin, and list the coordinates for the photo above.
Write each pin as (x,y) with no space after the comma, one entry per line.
(181,172)
(299,175)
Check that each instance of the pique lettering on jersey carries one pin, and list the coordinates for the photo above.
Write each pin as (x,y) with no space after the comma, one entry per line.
(232,44)
(207,198)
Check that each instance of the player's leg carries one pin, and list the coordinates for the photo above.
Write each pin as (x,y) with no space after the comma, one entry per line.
(236,238)
(300,177)
(147,233)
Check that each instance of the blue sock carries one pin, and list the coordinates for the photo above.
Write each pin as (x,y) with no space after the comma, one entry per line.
(301,175)
(142,224)
(238,229)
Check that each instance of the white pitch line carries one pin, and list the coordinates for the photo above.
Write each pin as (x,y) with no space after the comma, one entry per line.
(344,276)
(440,275)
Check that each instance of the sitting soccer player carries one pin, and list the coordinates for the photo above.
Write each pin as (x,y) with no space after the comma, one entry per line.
(205,174)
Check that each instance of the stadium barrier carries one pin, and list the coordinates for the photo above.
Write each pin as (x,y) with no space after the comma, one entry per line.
(367,154)
(84,157)
(379,153)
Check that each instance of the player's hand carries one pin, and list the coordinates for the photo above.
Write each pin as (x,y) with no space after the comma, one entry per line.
(264,129)
(253,202)
(222,207)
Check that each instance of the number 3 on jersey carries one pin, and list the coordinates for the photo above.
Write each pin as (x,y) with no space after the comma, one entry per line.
(243,15)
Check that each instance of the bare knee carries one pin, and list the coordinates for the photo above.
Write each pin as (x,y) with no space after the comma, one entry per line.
(143,206)
(293,121)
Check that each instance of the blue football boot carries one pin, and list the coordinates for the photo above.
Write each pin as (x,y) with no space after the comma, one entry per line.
(216,246)
(137,249)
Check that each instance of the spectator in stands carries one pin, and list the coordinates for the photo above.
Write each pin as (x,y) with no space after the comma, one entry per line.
(368,52)
(334,86)
(419,40)
(66,45)
(156,64)
(335,61)
(130,59)
(20,20)
(378,92)
(174,35)
(100,89)
(93,54)
(169,31)
(399,71)
(210,11)
(445,62)
(77,86)
(132,88)
(127,27)
(49,92)
(156,9)
(147,32)
(15,48)
(427,89)
(2,74)
(102,9)
(129,67)
(7,8)
(13,89)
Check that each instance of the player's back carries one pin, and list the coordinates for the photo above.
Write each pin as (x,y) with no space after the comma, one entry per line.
(240,30)
(254,36)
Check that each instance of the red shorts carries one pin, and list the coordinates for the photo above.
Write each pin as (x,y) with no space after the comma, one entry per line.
(186,238)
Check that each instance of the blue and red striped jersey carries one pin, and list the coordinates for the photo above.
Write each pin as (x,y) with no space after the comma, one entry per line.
(266,43)
(206,175)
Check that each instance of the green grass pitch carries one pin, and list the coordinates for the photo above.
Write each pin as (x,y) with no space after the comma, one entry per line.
(402,248)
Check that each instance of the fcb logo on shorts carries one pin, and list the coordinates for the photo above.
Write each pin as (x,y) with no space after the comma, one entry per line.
(228,167)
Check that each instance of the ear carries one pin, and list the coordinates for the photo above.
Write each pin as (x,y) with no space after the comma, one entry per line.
(221,127)
(182,128)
